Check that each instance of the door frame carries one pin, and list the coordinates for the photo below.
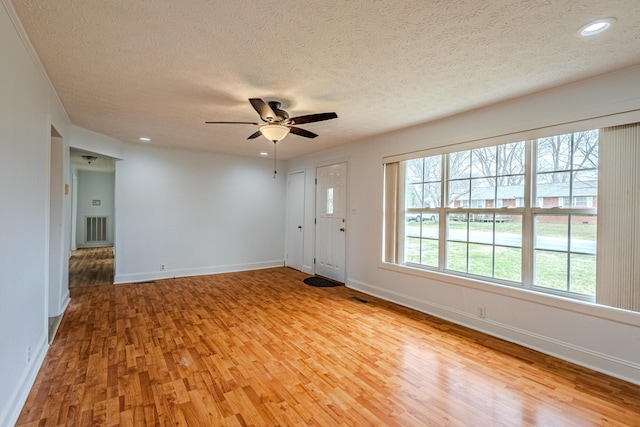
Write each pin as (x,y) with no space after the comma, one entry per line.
(335,161)
(57,286)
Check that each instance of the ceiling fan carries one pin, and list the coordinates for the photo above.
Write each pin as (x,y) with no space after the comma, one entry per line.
(277,123)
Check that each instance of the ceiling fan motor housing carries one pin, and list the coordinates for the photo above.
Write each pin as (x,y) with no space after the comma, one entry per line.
(280,114)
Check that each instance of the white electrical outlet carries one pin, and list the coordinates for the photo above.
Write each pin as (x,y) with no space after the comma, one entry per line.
(482,312)
(29,354)
(162,267)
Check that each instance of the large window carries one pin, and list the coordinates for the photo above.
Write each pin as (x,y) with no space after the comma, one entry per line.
(522,213)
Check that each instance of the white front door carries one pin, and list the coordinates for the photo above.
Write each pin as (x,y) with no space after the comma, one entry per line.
(331,201)
(295,218)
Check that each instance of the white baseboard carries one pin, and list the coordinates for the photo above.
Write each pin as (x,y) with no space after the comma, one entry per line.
(203,271)
(13,406)
(66,299)
(606,364)
(95,245)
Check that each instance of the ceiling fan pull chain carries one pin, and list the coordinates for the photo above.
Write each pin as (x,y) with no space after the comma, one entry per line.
(275,153)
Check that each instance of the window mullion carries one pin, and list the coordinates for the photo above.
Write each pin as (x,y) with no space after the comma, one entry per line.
(527,216)
(568,252)
(442,217)
(400,231)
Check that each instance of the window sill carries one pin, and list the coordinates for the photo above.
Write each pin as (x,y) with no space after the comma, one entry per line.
(537,297)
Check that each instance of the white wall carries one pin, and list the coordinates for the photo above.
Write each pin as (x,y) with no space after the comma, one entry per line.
(196,213)
(603,338)
(28,108)
(95,186)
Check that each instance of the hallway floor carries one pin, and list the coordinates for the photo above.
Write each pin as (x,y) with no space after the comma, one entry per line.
(91,267)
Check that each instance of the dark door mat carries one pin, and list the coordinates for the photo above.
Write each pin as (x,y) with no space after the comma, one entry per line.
(320,282)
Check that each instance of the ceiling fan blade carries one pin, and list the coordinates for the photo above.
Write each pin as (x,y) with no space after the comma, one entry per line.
(234,123)
(310,118)
(255,135)
(302,132)
(266,113)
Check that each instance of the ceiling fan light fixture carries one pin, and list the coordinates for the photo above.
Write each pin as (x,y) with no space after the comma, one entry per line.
(90,159)
(274,133)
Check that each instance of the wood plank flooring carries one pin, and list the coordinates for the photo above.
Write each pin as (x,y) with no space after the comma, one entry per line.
(91,267)
(261,348)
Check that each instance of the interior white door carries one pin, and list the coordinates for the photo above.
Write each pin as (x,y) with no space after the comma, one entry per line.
(331,201)
(294,257)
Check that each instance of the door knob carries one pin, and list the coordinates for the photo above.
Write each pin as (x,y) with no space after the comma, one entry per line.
(300,227)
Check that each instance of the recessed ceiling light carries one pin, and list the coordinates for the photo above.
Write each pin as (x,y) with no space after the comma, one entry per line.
(144,139)
(263,154)
(596,27)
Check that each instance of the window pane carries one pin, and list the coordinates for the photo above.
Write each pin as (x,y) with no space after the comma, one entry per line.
(433,169)
(432,195)
(412,250)
(554,153)
(457,256)
(481,260)
(459,193)
(585,152)
(483,192)
(551,187)
(412,217)
(460,165)
(430,227)
(483,161)
(457,227)
(509,230)
(414,170)
(412,228)
(583,234)
(508,264)
(429,252)
(481,231)
(511,191)
(413,195)
(583,274)
(551,270)
(511,159)
(585,184)
(551,232)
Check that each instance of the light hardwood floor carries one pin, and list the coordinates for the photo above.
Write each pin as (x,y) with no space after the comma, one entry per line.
(261,348)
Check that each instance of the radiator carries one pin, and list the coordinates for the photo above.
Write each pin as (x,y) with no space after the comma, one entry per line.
(96,229)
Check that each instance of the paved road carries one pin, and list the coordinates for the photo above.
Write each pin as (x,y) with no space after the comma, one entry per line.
(510,239)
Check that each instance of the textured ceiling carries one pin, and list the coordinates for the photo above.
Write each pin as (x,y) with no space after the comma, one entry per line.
(161,68)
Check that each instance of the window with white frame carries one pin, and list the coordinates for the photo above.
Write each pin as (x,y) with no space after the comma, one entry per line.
(423,193)
(565,240)
(476,213)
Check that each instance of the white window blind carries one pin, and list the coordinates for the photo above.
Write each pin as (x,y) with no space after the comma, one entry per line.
(618,263)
